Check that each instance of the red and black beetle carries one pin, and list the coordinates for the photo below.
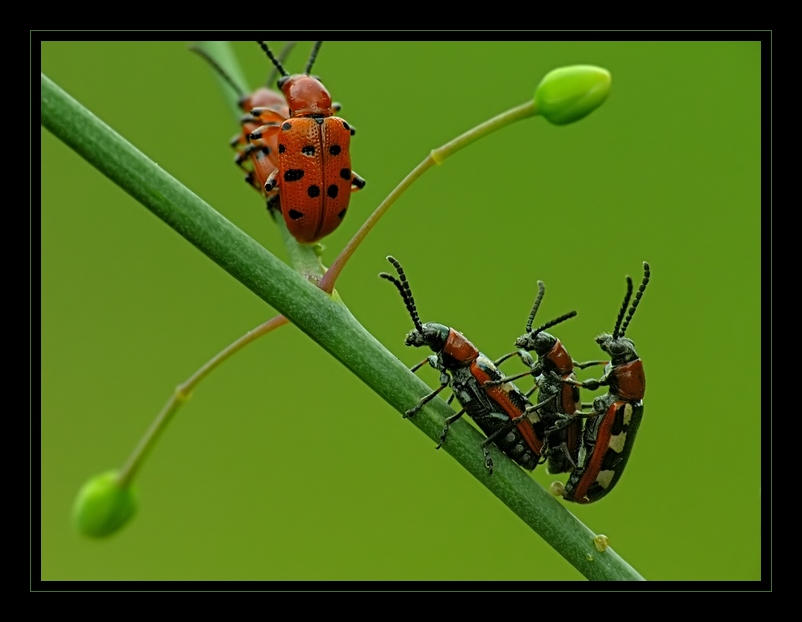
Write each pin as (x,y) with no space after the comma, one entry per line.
(557,400)
(611,428)
(499,409)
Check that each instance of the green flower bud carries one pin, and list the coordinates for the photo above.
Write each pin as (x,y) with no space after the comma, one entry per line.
(568,94)
(103,506)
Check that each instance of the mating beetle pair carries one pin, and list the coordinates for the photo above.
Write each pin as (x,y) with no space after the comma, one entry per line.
(550,430)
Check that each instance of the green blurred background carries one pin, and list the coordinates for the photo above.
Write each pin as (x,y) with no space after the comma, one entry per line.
(284,466)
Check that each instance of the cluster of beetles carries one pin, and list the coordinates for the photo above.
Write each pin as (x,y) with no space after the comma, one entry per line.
(296,153)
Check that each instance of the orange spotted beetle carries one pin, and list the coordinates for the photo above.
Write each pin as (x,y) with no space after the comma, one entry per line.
(313,180)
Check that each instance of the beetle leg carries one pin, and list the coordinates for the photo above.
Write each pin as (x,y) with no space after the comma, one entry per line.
(588,364)
(415,368)
(414,410)
(495,383)
(265,115)
(271,183)
(589,384)
(539,405)
(357,183)
(449,421)
(509,355)
(263,131)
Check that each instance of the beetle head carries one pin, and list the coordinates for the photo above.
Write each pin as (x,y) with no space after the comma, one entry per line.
(305,94)
(622,349)
(536,340)
(430,334)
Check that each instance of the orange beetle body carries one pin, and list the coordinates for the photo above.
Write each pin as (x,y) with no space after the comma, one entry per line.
(313,178)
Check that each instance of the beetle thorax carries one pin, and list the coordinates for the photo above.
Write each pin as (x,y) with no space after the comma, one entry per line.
(306,96)
(264,97)
(458,350)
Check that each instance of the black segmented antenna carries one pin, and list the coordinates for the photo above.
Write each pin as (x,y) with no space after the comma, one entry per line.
(282,56)
(276,62)
(312,56)
(541,289)
(623,307)
(647,273)
(403,287)
(221,72)
(554,322)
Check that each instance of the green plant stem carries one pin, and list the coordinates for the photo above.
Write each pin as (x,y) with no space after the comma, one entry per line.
(183,392)
(436,156)
(326,320)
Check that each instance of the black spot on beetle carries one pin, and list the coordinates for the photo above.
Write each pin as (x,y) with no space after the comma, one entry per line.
(295,214)
(286,126)
(332,191)
(345,173)
(313,191)
(309,150)
(281,148)
(341,215)
(335,150)
(293,174)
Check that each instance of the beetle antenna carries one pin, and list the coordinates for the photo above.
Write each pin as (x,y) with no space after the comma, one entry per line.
(623,308)
(276,62)
(541,289)
(403,287)
(282,56)
(312,57)
(220,71)
(554,322)
(647,273)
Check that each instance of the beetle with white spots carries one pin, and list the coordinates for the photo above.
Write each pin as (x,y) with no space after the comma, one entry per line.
(611,427)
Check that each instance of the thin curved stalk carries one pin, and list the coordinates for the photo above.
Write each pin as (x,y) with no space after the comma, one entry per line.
(437,156)
(183,392)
